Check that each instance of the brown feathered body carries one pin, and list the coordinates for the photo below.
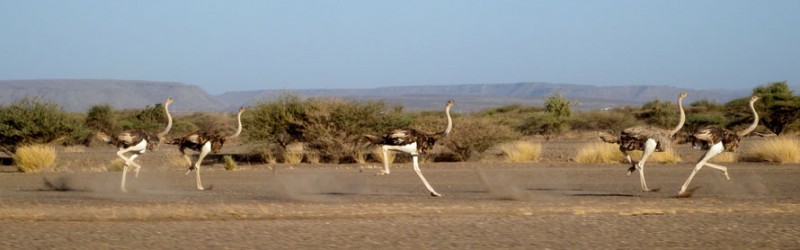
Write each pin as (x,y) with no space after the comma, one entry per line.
(633,138)
(131,138)
(196,140)
(705,137)
(400,137)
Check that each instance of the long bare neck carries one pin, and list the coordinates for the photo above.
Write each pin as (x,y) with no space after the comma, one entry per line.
(239,126)
(755,121)
(682,118)
(449,122)
(169,120)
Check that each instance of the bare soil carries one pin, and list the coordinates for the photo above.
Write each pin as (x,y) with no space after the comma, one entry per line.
(551,204)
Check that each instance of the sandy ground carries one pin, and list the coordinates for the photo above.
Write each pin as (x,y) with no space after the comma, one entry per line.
(552,204)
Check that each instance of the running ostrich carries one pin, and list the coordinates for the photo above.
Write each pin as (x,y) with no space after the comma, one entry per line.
(136,142)
(716,140)
(648,139)
(205,141)
(411,141)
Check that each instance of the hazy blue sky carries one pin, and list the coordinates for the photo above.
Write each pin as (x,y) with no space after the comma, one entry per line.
(247,45)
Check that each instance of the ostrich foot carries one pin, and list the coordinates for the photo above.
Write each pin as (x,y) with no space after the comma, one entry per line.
(383,172)
(123,190)
(631,170)
(190,170)
(652,190)
(726,175)
(686,193)
(435,194)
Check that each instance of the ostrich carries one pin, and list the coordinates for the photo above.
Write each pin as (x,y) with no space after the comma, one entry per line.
(205,141)
(136,142)
(411,141)
(715,140)
(647,139)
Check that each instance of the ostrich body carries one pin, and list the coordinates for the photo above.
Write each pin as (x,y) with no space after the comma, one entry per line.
(716,140)
(136,142)
(205,141)
(648,139)
(413,142)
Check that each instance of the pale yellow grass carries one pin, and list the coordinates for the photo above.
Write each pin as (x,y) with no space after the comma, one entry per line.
(599,152)
(116,165)
(175,158)
(313,156)
(521,151)
(293,153)
(229,163)
(724,157)
(776,149)
(34,158)
(377,153)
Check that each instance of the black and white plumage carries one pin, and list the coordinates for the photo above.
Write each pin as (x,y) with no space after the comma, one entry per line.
(137,142)
(413,142)
(648,139)
(716,140)
(205,142)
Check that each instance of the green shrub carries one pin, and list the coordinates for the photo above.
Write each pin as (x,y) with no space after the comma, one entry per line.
(34,158)
(330,126)
(32,121)
(473,134)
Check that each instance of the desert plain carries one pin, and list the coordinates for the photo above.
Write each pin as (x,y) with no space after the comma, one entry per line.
(551,204)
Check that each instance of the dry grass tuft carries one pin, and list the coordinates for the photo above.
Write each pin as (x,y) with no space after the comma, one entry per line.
(229,163)
(666,157)
(599,152)
(116,165)
(777,150)
(724,157)
(293,153)
(377,153)
(313,156)
(175,158)
(34,158)
(359,156)
(521,151)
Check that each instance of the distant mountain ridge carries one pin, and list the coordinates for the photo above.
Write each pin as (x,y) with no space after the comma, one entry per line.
(79,95)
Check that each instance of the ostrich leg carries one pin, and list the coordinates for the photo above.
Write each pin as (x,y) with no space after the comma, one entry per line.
(385,152)
(713,151)
(203,152)
(136,167)
(649,147)
(415,159)
(124,172)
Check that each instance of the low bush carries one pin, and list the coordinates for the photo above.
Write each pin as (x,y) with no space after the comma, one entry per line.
(34,158)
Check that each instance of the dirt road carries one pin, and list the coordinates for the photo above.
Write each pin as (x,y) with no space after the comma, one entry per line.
(485,205)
